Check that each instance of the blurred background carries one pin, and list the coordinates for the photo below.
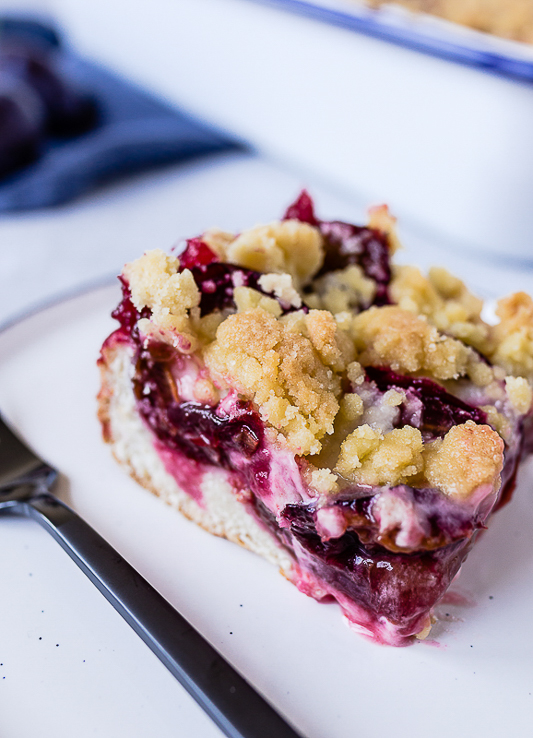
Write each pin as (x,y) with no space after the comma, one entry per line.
(362,108)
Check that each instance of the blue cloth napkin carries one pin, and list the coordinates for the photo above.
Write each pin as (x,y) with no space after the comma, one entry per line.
(136,131)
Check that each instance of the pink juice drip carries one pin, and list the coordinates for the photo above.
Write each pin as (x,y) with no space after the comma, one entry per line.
(188,473)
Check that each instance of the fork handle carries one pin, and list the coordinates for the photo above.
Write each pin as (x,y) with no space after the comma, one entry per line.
(237,709)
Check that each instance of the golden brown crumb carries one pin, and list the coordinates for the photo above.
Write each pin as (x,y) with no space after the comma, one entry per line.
(299,368)
(355,373)
(322,331)
(520,394)
(155,283)
(393,398)
(282,371)
(246,299)
(498,421)
(390,336)
(468,457)
(380,218)
(352,406)
(205,327)
(513,335)
(287,246)
(218,241)
(173,329)
(444,300)
(281,286)
(368,457)
(344,290)
(323,481)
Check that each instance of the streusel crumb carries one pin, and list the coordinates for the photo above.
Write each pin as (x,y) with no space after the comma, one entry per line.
(304,368)
(281,286)
(477,445)
(444,300)
(520,393)
(513,335)
(323,481)
(390,336)
(247,298)
(368,457)
(344,290)
(282,371)
(510,19)
(155,282)
(380,218)
(289,246)
(352,406)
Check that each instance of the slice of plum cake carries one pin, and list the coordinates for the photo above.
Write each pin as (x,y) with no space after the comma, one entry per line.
(353,421)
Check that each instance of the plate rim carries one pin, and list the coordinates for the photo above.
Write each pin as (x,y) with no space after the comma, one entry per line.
(489,54)
(56,299)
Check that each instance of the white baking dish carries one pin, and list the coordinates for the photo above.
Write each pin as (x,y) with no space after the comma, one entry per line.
(443,134)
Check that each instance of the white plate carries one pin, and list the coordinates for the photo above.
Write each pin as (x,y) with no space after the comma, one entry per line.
(101,680)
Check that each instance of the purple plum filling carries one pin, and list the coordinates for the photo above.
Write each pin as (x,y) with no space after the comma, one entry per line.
(217,280)
(438,409)
(399,587)
(198,431)
(348,244)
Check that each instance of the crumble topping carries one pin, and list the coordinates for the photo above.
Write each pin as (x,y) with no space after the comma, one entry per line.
(498,421)
(369,457)
(400,457)
(288,247)
(391,336)
(482,449)
(380,218)
(519,393)
(513,335)
(323,481)
(218,241)
(155,283)
(299,355)
(281,286)
(352,406)
(444,300)
(246,298)
(344,290)
(286,373)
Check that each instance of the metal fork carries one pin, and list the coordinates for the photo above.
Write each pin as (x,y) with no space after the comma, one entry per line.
(237,709)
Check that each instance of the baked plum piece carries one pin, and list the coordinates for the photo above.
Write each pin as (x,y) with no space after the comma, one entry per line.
(38,104)
(353,421)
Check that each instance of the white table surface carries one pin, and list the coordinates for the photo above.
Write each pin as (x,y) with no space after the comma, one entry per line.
(57,634)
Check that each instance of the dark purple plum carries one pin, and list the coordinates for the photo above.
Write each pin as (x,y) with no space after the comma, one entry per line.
(440,409)
(348,244)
